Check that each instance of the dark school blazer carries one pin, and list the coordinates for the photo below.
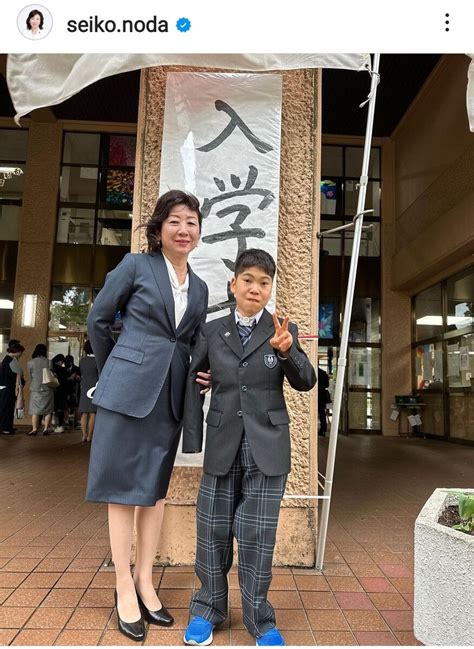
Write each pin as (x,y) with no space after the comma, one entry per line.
(247,394)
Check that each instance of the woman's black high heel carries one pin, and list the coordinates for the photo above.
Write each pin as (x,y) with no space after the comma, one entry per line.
(133,630)
(33,433)
(162,617)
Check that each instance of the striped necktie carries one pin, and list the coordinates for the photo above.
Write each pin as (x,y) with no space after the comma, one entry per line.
(245,332)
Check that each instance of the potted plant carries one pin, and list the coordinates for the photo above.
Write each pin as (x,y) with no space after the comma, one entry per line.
(444,569)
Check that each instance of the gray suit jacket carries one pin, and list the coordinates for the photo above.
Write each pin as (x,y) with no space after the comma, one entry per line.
(247,394)
(132,372)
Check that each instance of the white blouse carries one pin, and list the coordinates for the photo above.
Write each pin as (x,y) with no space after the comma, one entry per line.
(180,292)
(29,33)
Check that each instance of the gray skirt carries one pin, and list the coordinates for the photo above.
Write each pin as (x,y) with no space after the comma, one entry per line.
(41,403)
(132,459)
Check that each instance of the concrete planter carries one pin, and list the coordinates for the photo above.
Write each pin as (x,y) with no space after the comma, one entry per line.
(444,577)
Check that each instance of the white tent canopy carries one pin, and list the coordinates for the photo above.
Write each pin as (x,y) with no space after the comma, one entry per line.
(39,80)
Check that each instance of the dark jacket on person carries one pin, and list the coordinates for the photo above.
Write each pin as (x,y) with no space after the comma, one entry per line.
(133,370)
(247,394)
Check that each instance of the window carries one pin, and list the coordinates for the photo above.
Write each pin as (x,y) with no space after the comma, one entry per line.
(429,320)
(443,356)
(341,167)
(13,145)
(69,308)
(96,189)
(13,148)
(460,295)
(94,225)
(10,216)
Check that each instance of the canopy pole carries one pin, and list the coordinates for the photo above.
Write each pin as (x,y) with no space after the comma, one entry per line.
(342,361)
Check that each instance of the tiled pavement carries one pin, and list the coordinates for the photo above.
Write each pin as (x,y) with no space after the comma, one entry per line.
(54,588)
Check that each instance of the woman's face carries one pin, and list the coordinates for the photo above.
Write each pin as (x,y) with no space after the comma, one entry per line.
(179,231)
(35,22)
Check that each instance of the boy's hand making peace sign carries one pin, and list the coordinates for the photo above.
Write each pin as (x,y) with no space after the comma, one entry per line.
(282,340)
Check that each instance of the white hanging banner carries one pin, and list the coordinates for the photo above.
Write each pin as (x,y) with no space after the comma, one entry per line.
(470,93)
(221,142)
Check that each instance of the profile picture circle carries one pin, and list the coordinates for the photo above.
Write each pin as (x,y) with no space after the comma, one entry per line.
(34,22)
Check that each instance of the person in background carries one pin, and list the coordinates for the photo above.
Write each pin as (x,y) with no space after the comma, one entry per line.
(41,396)
(8,380)
(16,367)
(73,389)
(60,393)
(89,375)
(323,399)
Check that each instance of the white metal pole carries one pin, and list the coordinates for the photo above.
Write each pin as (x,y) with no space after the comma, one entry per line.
(342,361)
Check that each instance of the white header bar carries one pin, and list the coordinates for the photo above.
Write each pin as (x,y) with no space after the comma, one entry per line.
(402,26)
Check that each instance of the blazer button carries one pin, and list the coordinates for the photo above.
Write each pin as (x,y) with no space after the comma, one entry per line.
(244,364)
(173,340)
(239,413)
(244,388)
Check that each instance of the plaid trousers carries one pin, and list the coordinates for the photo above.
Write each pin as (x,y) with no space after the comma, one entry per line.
(244,504)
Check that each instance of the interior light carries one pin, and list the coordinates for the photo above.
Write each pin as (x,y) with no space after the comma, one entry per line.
(438,320)
(28,317)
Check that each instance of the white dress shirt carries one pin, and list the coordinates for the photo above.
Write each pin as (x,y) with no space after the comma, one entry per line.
(247,322)
(180,292)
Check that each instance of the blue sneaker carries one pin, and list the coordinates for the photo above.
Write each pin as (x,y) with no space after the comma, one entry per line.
(272,638)
(198,632)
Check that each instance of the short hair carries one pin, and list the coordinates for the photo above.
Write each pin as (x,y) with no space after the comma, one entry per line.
(255,257)
(162,210)
(15,348)
(13,341)
(88,347)
(69,358)
(40,350)
(59,358)
(32,14)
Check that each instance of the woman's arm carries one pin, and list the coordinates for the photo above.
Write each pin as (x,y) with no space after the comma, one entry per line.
(193,415)
(113,297)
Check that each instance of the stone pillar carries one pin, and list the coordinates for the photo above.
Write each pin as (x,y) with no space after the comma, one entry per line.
(37,233)
(396,306)
(296,297)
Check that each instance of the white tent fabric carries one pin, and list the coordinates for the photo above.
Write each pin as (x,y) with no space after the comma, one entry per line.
(39,80)
(470,93)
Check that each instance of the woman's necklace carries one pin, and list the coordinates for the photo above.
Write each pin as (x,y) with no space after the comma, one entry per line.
(181,274)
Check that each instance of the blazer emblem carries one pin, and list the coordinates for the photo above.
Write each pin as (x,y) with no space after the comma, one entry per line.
(270,360)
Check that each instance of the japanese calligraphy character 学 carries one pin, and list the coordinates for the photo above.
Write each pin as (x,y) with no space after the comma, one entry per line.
(241,210)
(235,120)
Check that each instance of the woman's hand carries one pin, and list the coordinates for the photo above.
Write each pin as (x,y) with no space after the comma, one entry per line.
(204,378)
(282,340)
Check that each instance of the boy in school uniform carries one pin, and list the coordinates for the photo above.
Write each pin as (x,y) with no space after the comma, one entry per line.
(247,452)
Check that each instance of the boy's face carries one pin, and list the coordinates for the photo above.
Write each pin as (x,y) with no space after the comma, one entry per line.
(252,290)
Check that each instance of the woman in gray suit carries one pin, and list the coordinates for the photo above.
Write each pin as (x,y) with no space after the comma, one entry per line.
(89,375)
(41,395)
(140,395)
